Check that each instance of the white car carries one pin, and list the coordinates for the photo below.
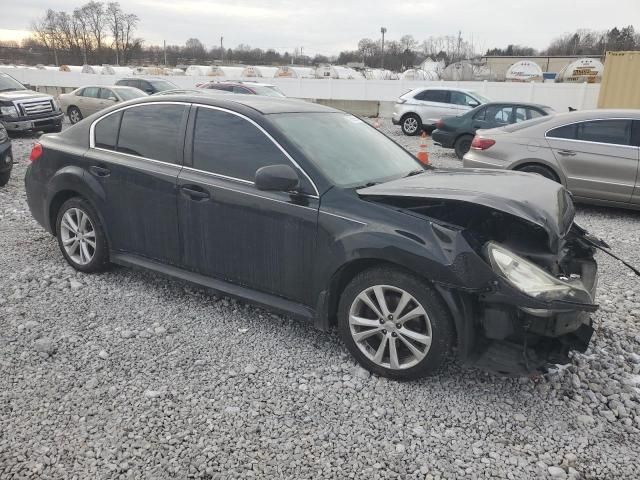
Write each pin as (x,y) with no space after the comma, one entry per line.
(86,101)
(422,107)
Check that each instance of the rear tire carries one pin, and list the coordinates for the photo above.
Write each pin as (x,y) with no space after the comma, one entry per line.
(540,170)
(462,145)
(411,341)
(74,114)
(4,178)
(81,236)
(411,124)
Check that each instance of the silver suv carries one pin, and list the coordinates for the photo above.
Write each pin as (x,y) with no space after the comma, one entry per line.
(422,107)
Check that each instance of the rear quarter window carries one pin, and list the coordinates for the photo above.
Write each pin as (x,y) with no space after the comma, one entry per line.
(106,131)
(514,127)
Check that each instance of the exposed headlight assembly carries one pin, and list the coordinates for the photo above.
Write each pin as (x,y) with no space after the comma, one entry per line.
(9,112)
(3,134)
(533,280)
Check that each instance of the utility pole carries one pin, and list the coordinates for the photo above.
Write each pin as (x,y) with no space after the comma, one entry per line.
(302,54)
(164,44)
(383,30)
(221,50)
(459,44)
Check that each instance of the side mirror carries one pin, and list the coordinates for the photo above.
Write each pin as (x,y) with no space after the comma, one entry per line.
(149,91)
(112,99)
(472,103)
(282,178)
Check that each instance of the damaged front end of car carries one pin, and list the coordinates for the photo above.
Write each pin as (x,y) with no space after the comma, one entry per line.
(525,274)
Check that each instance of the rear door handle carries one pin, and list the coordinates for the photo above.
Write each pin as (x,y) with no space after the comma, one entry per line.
(567,153)
(195,192)
(99,171)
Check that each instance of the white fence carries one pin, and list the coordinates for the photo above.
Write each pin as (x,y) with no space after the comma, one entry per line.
(559,96)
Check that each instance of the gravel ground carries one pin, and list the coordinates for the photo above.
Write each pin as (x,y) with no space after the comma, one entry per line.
(130,375)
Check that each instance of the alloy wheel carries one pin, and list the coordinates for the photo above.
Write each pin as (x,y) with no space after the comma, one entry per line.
(410,125)
(390,327)
(78,236)
(75,116)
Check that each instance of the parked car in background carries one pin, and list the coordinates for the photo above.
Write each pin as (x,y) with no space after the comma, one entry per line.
(421,108)
(88,100)
(147,85)
(247,88)
(595,154)
(313,212)
(6,157)
(458,132)
(22,109)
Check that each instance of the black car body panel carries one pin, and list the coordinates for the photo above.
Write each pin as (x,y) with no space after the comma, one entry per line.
(295,251)
(6,157)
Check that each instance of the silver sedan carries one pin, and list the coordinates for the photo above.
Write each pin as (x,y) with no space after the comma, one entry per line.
(594,153)
(85,101)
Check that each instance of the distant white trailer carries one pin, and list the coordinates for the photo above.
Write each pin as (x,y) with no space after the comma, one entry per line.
(524,71)
(293,71)
(584,70)
(259,71)
(197,70)
(226,72)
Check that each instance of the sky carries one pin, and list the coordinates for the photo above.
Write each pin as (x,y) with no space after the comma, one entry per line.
(330,26)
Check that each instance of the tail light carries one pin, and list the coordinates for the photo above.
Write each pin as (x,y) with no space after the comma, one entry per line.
(439,124)
(36,152)
(480,143)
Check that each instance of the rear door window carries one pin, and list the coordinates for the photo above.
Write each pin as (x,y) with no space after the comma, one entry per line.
(615,132)
(152,131)
(91,92)
(460,98)
(106,93)
(106,131)
(229,145)
(439,96)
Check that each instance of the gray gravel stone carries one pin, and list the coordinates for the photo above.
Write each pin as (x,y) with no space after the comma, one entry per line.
(45,345)
(178,405)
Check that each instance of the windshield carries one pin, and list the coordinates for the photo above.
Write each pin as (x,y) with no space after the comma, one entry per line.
(162,85)
(347,150)
(127,94)
(269,91)
(7,84)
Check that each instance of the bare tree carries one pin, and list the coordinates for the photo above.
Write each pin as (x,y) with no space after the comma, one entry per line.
(94,13)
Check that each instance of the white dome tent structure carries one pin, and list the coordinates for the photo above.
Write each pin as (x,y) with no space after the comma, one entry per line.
(293,71)
(412,74)
(584,70)
(198,71)
(116,70)
(233,73)
(524,71)
(71,68)
(379,74)
(258,71)
(458,71)
(429,65)
(338,72)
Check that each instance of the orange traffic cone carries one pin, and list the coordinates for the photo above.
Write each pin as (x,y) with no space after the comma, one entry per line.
(423,156)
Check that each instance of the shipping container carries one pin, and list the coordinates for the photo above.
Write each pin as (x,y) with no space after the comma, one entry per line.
(620,86)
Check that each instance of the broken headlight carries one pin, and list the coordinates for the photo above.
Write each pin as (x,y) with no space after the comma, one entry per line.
(533,280)
(9,111)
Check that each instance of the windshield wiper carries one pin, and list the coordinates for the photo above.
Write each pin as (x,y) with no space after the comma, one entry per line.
(414,172)
(368,184)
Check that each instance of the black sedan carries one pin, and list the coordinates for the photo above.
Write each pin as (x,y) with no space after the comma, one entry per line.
(6,158)
(310,211)
(458,132)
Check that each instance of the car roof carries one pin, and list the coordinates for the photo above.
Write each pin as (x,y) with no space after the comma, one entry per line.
(239,83)
(593,114)
(142,77)
(520,104)
(262,104)
(456,89)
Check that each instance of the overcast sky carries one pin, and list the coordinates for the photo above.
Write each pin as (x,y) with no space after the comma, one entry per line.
(329,26)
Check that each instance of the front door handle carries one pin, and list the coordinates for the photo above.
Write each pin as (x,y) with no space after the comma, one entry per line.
(194,192)
(99,171)
(567,153)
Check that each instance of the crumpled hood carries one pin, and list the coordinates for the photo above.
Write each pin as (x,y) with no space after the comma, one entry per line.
(531,197)
(12,95)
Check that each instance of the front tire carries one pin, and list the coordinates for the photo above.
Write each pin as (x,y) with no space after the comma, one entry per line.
(411,124)
(81,236)
(74,114)
(462,145)
(394,323)
(4,178)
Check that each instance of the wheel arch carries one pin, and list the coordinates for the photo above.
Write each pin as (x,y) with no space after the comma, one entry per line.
(458,304)
(542,163)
